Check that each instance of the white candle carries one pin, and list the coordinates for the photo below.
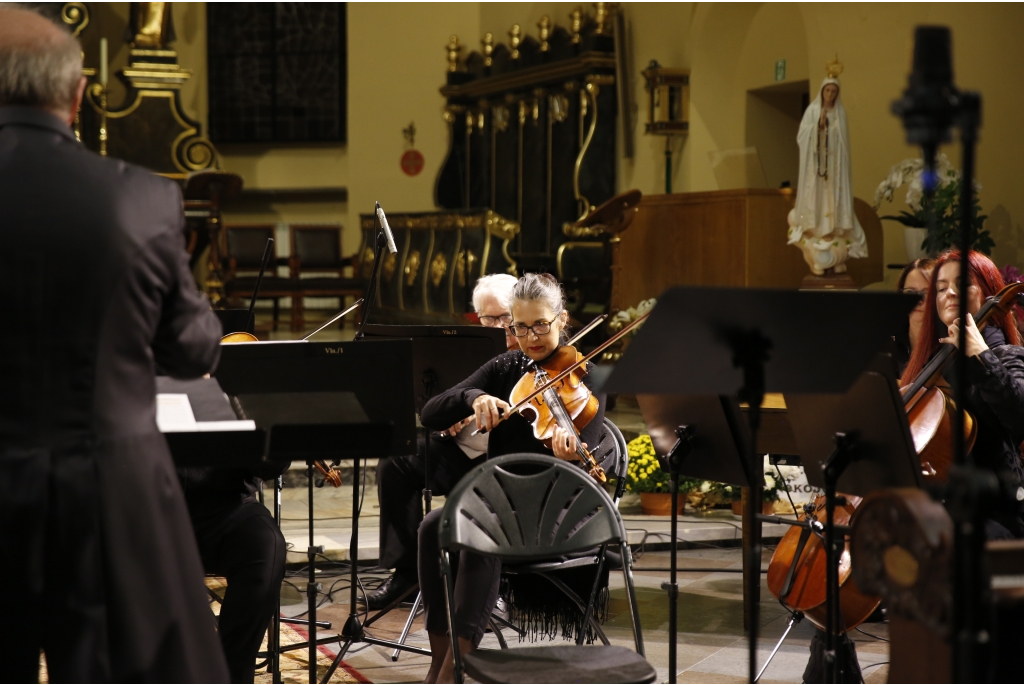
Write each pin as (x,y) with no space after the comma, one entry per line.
(103,62)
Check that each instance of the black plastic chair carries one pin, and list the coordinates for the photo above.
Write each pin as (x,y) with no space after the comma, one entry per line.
(525,508)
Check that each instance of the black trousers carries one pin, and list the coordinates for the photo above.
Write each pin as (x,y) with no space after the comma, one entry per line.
(400,484)
(245,545)
(476,585)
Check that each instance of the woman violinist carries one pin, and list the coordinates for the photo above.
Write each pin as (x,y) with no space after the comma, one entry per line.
(539,325)
(995,368)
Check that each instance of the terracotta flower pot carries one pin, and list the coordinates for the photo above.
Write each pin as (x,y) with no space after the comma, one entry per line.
(766,508)
(660,503)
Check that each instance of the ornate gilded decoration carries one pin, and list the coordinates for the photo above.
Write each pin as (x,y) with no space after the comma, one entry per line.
(389,265)
(558,107)
(499,226)
(833,68)
(464,264)
(438,268)
(412,267)
(454,49)
(500,117)
(605,13)
(576,23)
(75,16)
(488,49)
(515,39)
(544,27)
(151,24)
(366,262)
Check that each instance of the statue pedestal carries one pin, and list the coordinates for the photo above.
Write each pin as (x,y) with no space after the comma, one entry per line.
(829,281)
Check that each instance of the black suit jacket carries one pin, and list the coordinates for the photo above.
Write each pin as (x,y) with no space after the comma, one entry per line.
(96,292)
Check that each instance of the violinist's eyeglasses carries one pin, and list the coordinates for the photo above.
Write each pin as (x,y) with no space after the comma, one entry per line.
(520,331)
(493,321)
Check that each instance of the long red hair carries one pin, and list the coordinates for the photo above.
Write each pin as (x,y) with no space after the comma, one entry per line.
(984,274)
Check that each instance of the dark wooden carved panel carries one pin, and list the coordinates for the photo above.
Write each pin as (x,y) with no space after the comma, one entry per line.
(532,127)
(440,256)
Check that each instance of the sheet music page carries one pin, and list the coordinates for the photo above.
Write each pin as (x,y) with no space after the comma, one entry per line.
(174,413)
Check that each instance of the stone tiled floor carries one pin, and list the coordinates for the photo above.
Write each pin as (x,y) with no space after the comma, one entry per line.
(711,644)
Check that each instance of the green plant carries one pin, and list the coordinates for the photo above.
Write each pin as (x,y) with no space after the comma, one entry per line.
(644,473)
(944,206)
(719,493)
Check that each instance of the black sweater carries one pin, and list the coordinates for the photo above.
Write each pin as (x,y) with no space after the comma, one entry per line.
(497,378)
(996,400)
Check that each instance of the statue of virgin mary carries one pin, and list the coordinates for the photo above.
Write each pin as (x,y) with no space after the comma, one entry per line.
(822,223)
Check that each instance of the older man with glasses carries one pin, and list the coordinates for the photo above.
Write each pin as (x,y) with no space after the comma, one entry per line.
(401,480)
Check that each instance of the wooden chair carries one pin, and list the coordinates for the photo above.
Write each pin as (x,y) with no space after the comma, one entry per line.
(243,250)
(318,267)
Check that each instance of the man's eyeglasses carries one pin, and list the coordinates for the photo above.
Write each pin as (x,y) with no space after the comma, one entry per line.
(495,321)
(541,328)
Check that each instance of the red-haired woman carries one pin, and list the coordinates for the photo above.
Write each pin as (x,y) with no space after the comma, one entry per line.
(995,365)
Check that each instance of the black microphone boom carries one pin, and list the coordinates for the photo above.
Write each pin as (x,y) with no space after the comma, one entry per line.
(929,104)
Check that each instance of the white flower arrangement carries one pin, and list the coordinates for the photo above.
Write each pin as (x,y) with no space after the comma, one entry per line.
(912,170)
(628,316)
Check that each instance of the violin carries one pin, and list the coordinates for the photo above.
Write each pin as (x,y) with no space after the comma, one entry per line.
(567,404)
(796,573)
(563,365)
(931,411)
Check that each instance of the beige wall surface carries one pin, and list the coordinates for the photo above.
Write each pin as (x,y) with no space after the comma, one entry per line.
(397,63)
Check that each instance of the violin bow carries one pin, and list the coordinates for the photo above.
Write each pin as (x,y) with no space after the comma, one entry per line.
(597,350)
(345,312)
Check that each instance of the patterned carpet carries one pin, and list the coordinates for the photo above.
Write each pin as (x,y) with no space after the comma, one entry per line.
(294,664)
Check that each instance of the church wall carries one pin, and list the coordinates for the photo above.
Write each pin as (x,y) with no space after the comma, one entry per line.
(397,63)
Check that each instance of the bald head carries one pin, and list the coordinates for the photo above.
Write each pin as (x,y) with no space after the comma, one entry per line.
(40,63)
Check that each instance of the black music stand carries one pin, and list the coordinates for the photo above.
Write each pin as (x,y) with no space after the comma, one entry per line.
(327,401)
(861,441)
(721,341)
(701,436)
(443,356)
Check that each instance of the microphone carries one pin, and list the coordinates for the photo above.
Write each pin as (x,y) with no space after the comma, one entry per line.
(929,104)
(387,230)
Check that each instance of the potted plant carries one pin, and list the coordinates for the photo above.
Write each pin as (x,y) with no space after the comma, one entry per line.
(645,476)
(944,206)
(771,494)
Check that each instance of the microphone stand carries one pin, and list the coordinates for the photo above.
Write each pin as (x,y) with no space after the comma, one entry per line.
(371,291)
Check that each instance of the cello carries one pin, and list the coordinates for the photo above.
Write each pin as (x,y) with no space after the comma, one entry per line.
(931,411)
(796,573)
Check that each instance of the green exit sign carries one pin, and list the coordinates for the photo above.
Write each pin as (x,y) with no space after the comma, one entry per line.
(780,70)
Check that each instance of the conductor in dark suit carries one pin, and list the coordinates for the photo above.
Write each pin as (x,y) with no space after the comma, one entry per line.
(100,568)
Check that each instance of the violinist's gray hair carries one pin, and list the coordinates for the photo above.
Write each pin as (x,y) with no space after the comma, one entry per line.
(40,62)
(497,285)
(542,287)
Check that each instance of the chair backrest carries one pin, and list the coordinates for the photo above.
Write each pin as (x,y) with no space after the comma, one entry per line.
(528,506)
(246,243)
(317,246)
(615,460)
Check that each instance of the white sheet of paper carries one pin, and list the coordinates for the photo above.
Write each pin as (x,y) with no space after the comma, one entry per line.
(209,426)
(174,413)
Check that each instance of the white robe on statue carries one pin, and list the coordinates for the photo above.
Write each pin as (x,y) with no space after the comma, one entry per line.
(822,223)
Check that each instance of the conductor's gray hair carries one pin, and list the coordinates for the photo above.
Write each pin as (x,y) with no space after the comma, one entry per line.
(540,287)
(498,286)
(40,63)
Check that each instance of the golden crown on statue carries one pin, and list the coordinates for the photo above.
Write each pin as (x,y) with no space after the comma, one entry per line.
(834,67)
